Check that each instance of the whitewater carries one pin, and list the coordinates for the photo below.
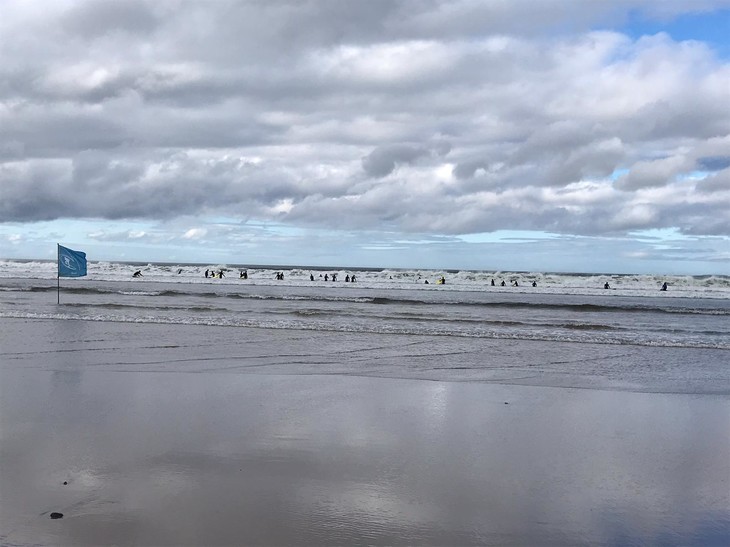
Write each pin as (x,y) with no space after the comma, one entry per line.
(693,313)
(682,286)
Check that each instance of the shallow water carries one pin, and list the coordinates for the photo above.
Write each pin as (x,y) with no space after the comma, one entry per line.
(613,318)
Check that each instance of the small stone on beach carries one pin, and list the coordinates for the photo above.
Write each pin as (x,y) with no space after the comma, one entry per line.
(56,515)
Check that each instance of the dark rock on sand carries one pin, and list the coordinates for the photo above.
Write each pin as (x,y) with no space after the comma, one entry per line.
(56,515)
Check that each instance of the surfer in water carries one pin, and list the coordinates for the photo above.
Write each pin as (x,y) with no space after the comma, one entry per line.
(606,285)
(664,287)
(138,273)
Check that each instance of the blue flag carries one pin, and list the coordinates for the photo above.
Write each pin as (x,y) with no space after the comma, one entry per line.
(71,263)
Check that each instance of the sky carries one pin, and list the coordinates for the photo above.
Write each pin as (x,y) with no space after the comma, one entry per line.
(540,135)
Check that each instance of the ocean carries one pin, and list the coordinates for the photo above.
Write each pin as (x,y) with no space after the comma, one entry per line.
(693,313)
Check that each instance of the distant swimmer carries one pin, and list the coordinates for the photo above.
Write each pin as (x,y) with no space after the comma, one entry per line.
(347,278)
(243,274)
(664,287)
(179,271)
(311,277)
(441,281)
(138,273)
(515,284)
(503,284)
(606,286)
(425,282)
(492,282)
(534,283)
(220,275)
(352,279)
(334,277)
(206,274)
(326,277)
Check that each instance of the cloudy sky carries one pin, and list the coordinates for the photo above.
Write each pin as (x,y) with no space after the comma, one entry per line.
(543,135)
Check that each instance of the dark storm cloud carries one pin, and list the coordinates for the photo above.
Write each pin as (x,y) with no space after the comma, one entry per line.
(431,116)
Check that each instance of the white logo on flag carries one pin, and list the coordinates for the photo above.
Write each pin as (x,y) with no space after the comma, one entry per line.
(69,262)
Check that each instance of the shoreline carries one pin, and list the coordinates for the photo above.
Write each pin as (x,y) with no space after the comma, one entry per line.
(247,350)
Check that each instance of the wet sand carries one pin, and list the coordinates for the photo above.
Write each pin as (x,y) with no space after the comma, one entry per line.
(164,438)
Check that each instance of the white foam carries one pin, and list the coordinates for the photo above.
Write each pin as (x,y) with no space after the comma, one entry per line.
(713,286)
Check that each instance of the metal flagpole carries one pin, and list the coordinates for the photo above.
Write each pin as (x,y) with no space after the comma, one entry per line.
(58,273)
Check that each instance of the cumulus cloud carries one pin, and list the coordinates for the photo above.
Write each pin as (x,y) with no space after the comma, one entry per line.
(383,160)
(427,116)
(660,172)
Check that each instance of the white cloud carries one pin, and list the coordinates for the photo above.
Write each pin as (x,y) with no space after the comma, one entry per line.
(195,233)
(435,117)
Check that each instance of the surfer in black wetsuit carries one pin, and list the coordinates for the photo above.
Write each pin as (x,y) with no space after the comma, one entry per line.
(311,277)
(138,273)
(664,287)
(606,286)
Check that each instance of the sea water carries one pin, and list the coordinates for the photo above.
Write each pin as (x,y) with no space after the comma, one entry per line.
(693,313)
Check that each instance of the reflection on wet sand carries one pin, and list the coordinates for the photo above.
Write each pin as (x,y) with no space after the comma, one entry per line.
(219,459)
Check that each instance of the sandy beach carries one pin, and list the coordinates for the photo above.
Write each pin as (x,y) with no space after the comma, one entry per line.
(196,438)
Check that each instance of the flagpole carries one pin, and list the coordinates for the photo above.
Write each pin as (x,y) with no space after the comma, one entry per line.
(58,273)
